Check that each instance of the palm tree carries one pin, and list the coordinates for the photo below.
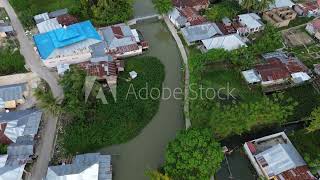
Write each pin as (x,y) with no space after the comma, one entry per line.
(248,4)
(263,4)
(47,101)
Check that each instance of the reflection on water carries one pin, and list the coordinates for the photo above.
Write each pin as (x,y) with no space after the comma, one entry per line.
(238,167)
(146,151)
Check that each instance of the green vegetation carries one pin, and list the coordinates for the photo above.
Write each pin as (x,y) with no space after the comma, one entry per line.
(223,9)
(11,62)
(306,101)
(247,108)
(102,12)
(193,155)
(94,125)
(308,55)
(258,5)
(47,101)
(26,9)
(162,6)
(308,145)
(105,12)
(315,123)
(3,149)
(156,175)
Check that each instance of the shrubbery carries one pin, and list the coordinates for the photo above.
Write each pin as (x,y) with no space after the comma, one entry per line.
(96,125)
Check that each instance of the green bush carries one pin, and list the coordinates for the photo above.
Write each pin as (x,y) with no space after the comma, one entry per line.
(115,122)
(11,62)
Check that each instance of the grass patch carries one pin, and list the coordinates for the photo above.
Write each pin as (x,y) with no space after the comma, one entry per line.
(120,121)
(11,62)
(26,9)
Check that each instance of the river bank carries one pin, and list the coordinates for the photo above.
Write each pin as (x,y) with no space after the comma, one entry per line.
(146,151)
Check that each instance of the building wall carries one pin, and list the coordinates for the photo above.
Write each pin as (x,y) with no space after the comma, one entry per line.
(310,29)
(274,82)
(75,59)
(317,35)
(131,53)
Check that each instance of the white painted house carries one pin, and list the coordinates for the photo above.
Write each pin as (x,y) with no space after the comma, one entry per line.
(227,42)
(251,22)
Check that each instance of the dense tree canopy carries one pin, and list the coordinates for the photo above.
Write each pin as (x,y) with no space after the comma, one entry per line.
(193,155)
(106,12)
(243,117)
(224,9)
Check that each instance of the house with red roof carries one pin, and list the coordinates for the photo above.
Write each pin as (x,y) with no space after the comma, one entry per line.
(196,4)
(278,68)
(313,28)
(104,71)
(122,41)
(188,16)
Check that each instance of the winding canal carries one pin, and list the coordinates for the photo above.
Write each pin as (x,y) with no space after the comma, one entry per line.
(146,151)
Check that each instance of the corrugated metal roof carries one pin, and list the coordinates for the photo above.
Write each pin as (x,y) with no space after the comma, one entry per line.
(57,13)
(251,20)
(6,29)
(48,25)
(41,17)
(67,40)
(200,32)
(91,165)
(227,42)
(21,123)
(279,158)
(118,35)
(12,92)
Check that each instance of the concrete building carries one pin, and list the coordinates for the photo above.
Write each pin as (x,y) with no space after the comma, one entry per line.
(67,45)
(226,42)
(275,157)
(18,129)
(250,22)
(12,95)
(93,166)
(187,16)
(313,28)
(280,17)
(17,125)
(122,41)
(278,69)
(194,34)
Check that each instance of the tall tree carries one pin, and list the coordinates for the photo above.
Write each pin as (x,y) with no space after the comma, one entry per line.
(193,155)
(163,6)
(223,9)
(315,123)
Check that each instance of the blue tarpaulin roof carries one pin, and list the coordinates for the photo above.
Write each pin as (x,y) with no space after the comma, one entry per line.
(62,37)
